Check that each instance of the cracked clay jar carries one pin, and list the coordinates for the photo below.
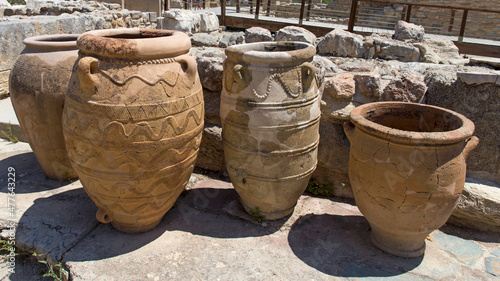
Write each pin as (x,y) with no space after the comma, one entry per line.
(133,122)
(407,170)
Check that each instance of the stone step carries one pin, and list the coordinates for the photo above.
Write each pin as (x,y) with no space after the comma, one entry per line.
(9,125)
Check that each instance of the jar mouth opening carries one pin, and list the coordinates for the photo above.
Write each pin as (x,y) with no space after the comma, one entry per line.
(134,43)
(416,120)
(412,122)
(268,53)
(56,41)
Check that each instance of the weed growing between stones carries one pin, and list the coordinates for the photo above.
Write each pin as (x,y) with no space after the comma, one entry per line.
(57,271)
(319,189)
(10,136)
(256,216)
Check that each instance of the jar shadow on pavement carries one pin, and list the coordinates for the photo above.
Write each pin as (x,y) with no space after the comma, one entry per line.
(65,227)
(343,248)
(30,177)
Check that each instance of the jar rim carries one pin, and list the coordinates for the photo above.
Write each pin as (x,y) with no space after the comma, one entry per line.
(463,129)
(134,43)
(54,41)
(265,53)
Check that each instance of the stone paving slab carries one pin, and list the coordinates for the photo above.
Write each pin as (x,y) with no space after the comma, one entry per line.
(207,236)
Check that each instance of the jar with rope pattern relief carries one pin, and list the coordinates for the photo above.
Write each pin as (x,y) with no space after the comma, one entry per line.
(133,122)
(270,111)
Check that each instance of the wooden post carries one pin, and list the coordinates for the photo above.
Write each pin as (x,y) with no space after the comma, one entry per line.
(123,4)
(251,6)
(237,6)
(352,15)
(167,5)
(301,16)
(462,26)
(452,20)
(257,9)
(223,12)
(268,11)
(408,13)
(308,15)
(186,5)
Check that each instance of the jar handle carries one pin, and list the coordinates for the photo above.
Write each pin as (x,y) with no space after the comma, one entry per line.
(240,77)
(102,216)
(86,68)
(310,71)
(472,142)
(191,67)
(349,128)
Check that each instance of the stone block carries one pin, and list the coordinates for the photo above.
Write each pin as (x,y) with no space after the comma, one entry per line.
(478,207)
(342,43)
(231,38)
(295,33)
(471,78)
(409,31)
(208,22)
(409,86)
(211,72)
(257,34)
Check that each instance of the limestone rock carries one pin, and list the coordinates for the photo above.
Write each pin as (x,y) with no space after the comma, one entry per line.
(395,50)
(177,19)
(257,34)
(478,207)
(481,104)
(336,102)
(207,52)
(211,154)
(357,66)
(409,31)
(342,43)
(368,84)
(408,86)
(330,67)
(479,77)
(4,4)
(340,86)
(212,107)
(204,39)
(441,51)
(209,22)
(295,33)
(333,153)
(231,38)
(210,71)
(187,21)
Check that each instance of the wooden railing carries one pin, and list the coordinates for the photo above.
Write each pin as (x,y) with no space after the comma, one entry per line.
(371,13)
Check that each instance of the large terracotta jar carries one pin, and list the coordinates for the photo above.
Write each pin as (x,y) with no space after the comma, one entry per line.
(407,170)
(270,119)
(38,84)
(133,122)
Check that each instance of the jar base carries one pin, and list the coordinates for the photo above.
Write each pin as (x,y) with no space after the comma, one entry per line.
(270,216)
(127,228)
(398,245)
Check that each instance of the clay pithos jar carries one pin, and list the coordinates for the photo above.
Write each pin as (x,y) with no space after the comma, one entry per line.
(133,122)
(270,111)
(407,170)
(38,84)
